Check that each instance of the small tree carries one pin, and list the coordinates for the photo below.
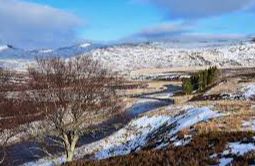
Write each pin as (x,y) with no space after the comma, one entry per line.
(74,95)
(187,86)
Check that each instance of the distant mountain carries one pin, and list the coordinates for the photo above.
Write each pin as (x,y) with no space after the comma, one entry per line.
(74,50)
(3,47)
(11,52)
(18,59)
(133,56)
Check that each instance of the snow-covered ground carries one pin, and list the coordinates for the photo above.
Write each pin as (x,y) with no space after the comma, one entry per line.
(235,149)
(249,91)
(249,125)
(242,91)
(225,161)
(136,134)
(239,149)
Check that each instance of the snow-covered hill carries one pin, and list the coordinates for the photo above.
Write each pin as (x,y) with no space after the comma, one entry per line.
(15,58)
(128,57)
(156,55)
(135,135)
(10,52)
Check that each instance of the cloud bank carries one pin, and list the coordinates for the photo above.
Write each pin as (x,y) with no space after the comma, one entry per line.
(184,18)
(165,30)
(31,25)
(179,31)
(194,9)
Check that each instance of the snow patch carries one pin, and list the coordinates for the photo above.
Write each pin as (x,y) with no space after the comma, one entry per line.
(85,45)
(126,140)
(3,47)
(47,162)
(235,148)
(135,135)
(245,93)
(225,161)
(249,124)
(46,51)
(184,141)
(192,117)
(249,91)
(240,149)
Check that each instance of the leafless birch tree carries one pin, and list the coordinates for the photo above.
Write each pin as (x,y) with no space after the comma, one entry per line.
(74,95)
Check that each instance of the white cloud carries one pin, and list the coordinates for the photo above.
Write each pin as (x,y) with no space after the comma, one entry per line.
(32,25)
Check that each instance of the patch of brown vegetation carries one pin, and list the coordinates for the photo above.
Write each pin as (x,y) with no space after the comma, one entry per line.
(235,113)
(195,153)
(17,112)
(233,106)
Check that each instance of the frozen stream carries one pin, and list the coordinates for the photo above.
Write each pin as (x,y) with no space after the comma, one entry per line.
(152,101)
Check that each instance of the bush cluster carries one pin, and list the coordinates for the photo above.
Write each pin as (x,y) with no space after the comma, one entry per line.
(201,80)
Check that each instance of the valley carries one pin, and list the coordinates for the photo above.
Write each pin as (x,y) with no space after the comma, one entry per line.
(158,123)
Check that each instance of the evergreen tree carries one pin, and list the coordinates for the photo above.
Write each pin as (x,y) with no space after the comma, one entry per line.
(187,86)
(201,80)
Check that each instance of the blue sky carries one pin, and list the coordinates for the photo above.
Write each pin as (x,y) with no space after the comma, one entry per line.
(54,23)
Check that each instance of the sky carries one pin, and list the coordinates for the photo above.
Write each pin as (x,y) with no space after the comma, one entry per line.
(55,23)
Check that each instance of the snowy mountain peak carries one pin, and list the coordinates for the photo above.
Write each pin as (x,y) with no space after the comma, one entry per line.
(5,47)
(45,51)
(85,45)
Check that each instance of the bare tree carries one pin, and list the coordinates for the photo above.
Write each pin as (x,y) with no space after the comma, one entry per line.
(74,95)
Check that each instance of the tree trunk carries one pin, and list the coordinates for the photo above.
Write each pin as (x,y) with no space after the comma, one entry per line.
(2,155)
(69,155)
(70,145)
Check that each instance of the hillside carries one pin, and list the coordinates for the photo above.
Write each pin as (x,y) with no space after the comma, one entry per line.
(215,127)
(128,57)
(159,124)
